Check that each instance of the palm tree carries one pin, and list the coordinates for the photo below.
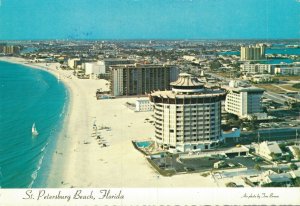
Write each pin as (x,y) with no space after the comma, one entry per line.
(257,167)
(293,166)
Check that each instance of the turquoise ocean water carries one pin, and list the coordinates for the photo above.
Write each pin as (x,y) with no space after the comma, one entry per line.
(27,96)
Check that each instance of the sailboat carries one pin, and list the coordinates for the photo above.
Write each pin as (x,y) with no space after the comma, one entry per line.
(34,131)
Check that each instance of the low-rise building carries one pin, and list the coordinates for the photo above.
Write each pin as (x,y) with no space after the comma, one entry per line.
(143,105)
(258,68)
(294,150)
(219,164)
(283,178)
(288,71)
(262,78)
(235,133)
(295,173)
(268,150)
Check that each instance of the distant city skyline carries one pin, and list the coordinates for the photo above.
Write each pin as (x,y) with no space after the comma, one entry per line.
(149,19)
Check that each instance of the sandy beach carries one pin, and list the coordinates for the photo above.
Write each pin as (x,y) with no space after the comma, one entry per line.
(79,161)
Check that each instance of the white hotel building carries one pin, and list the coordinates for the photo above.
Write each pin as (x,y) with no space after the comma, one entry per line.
(93,68)
(258,68)
(187,118)
(243,101)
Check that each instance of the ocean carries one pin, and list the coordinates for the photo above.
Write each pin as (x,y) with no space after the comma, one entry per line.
(28,96)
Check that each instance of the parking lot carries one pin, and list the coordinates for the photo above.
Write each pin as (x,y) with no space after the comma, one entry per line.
(204,163)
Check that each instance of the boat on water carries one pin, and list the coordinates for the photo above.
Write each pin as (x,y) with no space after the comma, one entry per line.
(34,131)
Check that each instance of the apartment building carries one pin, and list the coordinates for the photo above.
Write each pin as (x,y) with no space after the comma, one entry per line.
(258,68)
(256,52)
(106,63)
(288,71)
(140,79)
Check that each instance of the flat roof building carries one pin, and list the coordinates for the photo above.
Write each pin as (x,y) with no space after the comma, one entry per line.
(253,52)
(258,68)
(93,68)
(143,105)
(187,118)
(243,101)
(106,63)
(74,63)
(288,71)
(10,49)
(141,79)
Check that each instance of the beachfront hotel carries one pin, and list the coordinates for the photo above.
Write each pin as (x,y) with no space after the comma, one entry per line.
(187,118)
(256,52)
(243,101)
(74,63)
(9,49)
(140,79)
(106,63)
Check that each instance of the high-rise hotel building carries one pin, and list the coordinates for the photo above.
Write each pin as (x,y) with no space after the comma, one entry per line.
(141,79)
(9,49)
(253,52)
(243,101)
(106,63)
(187,118)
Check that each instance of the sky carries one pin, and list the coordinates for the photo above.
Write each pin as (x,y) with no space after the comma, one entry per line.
(149,19)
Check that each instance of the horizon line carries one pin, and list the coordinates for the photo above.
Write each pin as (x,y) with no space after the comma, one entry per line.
(151,39)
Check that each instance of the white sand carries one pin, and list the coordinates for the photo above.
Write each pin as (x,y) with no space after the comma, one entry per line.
(119,165)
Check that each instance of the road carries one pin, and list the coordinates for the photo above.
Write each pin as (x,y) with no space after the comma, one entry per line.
(271,134)
(279,98)
(220,77)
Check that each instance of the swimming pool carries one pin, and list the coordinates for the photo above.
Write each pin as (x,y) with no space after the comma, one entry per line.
(143,144)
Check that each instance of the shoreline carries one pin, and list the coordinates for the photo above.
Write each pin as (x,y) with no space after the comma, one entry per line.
(51,70)
(81,162)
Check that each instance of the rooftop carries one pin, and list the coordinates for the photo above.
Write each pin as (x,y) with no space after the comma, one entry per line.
(272,146)
(295,173)
(173,94)
(188,86)
(186,80)
(140,66)
(115,59)
(285,177)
